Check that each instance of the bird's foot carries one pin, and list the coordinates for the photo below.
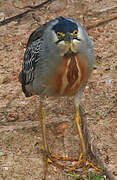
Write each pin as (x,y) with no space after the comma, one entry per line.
(85,163)
(52,159)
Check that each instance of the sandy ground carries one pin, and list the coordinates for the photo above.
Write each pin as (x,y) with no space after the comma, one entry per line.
(20,129)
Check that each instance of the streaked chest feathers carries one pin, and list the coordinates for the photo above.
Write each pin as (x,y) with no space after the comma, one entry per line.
(68,76)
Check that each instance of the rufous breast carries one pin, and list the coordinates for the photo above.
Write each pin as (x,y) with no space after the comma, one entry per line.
(69,75)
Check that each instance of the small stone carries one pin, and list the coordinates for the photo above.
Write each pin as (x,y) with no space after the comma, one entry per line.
(95,71)
(86,89)
(19,153)
(2,16)
(2,153)
(6,80)
(61,127)
(6,168)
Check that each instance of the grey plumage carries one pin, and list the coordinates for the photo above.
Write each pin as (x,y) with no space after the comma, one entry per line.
(42,57)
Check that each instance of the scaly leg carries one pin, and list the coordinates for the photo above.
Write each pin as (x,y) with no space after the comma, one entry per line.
(44,141)
(82,158)
(82,143)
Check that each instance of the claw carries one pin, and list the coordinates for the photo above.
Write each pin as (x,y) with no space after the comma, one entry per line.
(86,163)
(77,164)
(92,165)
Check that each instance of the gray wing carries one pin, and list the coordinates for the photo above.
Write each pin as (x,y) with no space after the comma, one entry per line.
(31,57)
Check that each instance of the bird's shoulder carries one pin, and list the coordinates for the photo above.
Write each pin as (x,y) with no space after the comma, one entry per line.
(39,32)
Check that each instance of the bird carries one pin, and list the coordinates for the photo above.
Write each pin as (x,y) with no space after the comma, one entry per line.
(58,62)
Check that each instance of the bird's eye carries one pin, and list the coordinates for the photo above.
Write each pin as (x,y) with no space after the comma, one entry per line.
(75,33)
(60,35)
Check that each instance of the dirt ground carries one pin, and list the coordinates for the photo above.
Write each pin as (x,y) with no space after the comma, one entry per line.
(20,129)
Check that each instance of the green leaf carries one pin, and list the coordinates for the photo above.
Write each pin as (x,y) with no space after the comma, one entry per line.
(74,176)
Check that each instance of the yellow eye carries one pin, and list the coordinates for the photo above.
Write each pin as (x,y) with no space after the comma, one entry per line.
(75,33)
(60,35)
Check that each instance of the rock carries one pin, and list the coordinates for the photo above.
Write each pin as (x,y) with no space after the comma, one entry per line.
(2,153)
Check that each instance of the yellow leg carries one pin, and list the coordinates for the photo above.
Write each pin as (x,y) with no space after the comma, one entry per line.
(44,141)
(82,158)
(82,143)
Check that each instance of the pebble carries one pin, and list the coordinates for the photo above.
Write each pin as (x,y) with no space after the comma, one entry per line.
(6,168)
(2,153)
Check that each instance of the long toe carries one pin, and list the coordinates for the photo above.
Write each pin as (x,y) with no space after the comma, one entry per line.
(84,163)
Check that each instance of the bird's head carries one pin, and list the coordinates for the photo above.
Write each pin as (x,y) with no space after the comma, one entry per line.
(67,35)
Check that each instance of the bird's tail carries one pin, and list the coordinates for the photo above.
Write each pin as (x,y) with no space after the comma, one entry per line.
(22,81)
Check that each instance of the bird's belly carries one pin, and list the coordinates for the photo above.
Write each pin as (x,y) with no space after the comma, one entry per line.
(68,76)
